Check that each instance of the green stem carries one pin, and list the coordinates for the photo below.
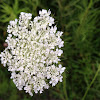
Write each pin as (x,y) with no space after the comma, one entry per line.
(64,86)
(91,83)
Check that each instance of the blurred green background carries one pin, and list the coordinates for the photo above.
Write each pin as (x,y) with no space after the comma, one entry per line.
(80,22)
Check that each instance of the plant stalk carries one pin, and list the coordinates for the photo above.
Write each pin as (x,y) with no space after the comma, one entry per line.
(91,83)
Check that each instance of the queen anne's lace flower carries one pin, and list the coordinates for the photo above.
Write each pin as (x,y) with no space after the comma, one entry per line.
(33,52)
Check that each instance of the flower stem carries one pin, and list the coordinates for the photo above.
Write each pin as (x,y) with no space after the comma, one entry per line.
(91,83)
(64,86)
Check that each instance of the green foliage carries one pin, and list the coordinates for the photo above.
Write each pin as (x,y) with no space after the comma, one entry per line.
(79,20)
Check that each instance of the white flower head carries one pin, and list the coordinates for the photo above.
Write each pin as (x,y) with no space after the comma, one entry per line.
(33,52)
